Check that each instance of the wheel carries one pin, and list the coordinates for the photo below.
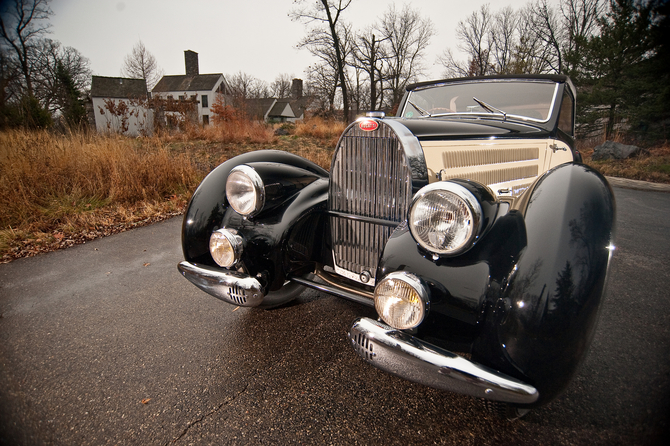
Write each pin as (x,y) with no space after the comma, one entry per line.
(505,411)
(284,295)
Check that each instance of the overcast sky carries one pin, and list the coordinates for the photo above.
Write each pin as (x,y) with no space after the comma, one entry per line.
(253,36)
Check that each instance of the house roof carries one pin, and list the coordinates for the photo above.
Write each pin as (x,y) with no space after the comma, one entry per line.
(282,109)
(258,108)
(117,87)
(182,82)
(300,105)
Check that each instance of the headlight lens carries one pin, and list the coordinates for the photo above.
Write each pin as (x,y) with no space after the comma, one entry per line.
(445,218)
(401,300)
(225,247)
(245,190)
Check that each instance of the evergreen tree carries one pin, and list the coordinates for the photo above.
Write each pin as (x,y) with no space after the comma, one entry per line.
(616,78)
(73,108)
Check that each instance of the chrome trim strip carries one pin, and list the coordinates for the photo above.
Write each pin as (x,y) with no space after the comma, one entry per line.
(330,279)
(335,290)
(377,221)
(405,356)
(229,286)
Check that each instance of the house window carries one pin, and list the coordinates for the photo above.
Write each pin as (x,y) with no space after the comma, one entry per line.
(205,119)
(205,103)
(182,97)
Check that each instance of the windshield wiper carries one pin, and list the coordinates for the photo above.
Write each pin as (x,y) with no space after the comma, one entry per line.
(421,110)
(490,108)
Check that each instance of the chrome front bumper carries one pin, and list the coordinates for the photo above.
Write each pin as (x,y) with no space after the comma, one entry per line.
(229,286)
(410,358)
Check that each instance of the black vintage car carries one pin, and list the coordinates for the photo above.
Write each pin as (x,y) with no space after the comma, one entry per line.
(468,221)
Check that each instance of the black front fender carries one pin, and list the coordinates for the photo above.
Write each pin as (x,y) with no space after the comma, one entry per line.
(208,206)
(541,324)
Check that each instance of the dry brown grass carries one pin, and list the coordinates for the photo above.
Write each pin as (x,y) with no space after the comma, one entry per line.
(328,131)
(57,184)
(652,164)
(59,190)
(235,130)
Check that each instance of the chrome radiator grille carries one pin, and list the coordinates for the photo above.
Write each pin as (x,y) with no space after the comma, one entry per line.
(370,192)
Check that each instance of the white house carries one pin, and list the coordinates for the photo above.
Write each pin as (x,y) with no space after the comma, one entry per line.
(193,85)
(280,110)
(120,105)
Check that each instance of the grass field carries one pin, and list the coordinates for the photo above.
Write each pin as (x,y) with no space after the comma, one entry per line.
(59,190)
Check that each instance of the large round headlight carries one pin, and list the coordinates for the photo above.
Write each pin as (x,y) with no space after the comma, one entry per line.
(401,300)
(245,190)
(445,218)
(225,247)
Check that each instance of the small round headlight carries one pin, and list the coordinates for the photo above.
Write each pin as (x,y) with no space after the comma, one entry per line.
(225,247)
(445,218)
(245,190)
(401,300)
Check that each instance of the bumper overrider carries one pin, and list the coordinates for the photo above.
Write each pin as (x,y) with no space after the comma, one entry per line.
(229,286)
(403,355)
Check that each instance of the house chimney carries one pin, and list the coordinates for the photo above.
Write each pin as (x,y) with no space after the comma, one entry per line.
(191,60)
(296,89)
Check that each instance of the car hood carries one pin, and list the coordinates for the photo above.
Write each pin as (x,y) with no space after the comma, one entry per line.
(451,128)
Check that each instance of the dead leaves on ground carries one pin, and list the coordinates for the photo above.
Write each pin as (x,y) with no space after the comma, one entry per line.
(108,222)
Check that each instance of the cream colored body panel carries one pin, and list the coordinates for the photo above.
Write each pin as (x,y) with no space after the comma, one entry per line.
(508,167)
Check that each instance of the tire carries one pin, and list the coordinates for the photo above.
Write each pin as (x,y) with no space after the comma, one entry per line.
(505,411)
(282,296)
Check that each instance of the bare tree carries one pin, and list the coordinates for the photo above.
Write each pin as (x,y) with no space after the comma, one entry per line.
(407,35)
(323,81)
(452,67)
(53,62)
(532,54)
(580,17)
(328,14)
(564,31)
(22,22)
(504,39)
(369,56)
(282,85)
(534,39)
(10,80)
(547,26)
(244,86)
(141,64)
(474,36)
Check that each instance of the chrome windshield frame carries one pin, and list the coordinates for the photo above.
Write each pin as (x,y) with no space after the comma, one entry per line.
(479,115)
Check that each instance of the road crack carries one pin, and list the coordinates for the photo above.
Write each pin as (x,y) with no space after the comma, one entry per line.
(213,411)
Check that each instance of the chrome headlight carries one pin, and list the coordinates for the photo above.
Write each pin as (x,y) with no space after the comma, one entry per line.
(245,191)
(225,247)
(445,218)
(401,300)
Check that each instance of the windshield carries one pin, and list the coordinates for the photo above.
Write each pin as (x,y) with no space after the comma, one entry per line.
(520,99)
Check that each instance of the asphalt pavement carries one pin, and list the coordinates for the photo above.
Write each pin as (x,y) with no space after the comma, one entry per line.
(105,343)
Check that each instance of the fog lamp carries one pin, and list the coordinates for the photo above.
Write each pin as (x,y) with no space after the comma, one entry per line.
(401,300)
(225,247)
